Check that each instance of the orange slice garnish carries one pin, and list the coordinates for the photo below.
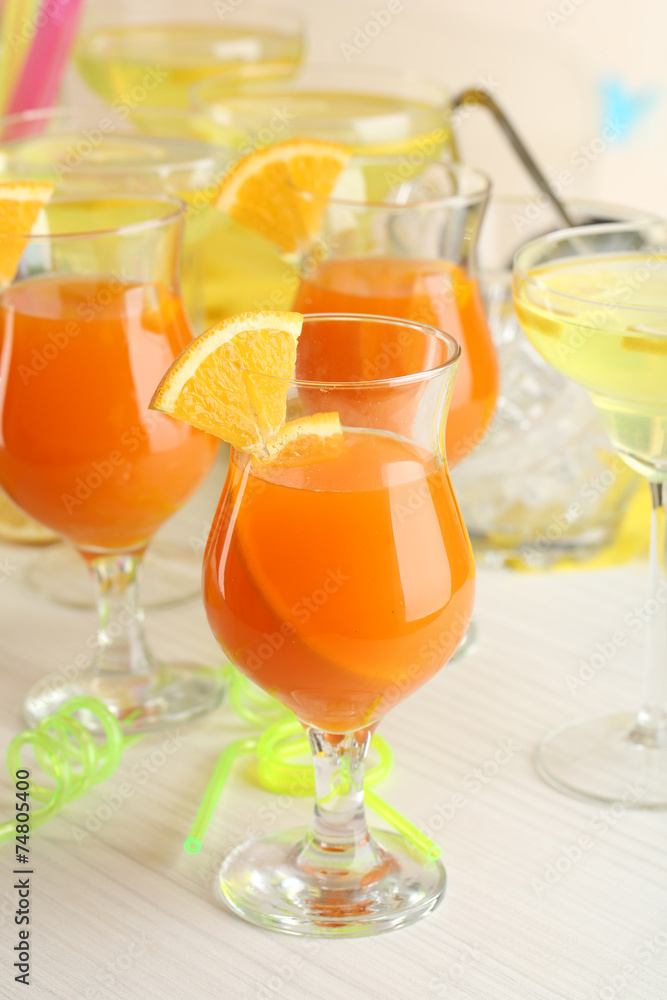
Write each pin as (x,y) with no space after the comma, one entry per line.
(20,204)
(15,526)
(230,381)
(307,440)
(280,191)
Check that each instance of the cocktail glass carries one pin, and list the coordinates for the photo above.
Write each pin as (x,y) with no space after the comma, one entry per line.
(87,326)
(142,150)
(546,483)
(340,580)
(593,301)
(139,150)
(411,255)
(124,49)
(376,112)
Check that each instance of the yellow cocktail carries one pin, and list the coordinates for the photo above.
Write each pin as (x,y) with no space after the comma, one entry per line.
(602,323)
(396,122)
(593,301)
(146,151)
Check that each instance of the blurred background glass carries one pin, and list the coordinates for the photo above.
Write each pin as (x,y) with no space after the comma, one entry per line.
(545,482)
(120,42)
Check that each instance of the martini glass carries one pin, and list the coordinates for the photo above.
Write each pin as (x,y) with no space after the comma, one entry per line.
(593,301)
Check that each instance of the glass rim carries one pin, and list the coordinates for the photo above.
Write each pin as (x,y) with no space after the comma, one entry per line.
(520,268)
(454,350)
(504,198)
(179,209)
(215,153)
(286,84)
(261,7)
(443,201)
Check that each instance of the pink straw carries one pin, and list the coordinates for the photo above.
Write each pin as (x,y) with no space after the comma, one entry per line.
(40,79)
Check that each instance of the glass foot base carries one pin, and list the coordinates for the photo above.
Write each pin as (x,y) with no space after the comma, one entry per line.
(171,695)
(170,574)
(262,882)
(599,759)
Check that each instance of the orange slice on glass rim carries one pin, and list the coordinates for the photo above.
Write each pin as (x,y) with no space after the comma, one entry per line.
(20,204)
(231,381)
(280,191)
(314,438)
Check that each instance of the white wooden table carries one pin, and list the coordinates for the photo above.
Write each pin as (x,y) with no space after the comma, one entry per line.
(119,909)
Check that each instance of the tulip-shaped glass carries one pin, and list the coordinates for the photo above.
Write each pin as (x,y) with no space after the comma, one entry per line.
(87,326)
(340,578)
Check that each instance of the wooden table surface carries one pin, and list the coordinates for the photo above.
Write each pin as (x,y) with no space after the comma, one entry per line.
(119,909)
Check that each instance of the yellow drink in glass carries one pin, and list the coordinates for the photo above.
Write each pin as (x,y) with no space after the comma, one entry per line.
(120,43)
(602,323)
(383,116)
(89,152)
(593,301)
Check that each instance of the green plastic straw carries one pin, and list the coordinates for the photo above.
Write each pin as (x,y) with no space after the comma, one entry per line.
(74,760)
(59,741)
(276,772)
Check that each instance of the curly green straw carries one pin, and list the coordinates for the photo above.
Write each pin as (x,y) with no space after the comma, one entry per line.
(74,760)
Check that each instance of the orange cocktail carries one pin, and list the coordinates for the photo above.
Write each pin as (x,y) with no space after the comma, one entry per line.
(323,595)
(406,249)
(339,577)
(435,292)
(80,451)
(89,318)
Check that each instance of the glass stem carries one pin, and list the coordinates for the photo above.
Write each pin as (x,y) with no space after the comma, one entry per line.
(338,842)
(121,640)
(651,726)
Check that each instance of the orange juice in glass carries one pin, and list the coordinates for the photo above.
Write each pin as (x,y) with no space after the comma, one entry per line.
(341,579)
(88,324)
(355,618)
(412,256)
